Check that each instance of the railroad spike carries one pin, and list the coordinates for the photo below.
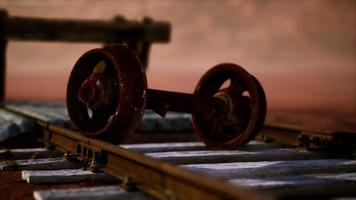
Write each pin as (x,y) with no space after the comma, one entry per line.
(107,94)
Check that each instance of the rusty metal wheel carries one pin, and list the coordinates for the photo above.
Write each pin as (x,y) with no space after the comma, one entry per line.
(106,93)
(244,107)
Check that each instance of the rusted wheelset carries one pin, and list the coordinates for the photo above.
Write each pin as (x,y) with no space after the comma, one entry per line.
(107,94)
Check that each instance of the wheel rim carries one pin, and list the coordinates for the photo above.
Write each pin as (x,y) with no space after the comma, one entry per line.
(118,111)
(247,110)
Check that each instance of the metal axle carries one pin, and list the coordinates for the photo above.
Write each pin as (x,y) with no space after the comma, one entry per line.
(107,94)
(97,92)
(163,101)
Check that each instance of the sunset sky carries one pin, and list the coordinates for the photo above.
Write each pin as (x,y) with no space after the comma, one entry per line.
(303,52)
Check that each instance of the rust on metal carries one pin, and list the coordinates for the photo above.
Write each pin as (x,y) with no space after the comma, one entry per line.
(163,101)
(113,110)
(313,139)
(244,110)
(99,89)
(107,94)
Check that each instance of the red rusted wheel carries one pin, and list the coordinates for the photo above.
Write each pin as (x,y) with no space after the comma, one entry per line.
(244,110)
(106,93)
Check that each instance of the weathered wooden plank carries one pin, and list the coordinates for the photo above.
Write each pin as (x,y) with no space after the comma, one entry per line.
(25,124)
(8,130)
(63,176)
(171,122)
(38,164)
(29,153)
(51,111)
(273,168)
(175,122)
(162,147)
(192,146)
(219,156)
(304,185)
(98,193)
(36,112)
(147,124)
(56,113)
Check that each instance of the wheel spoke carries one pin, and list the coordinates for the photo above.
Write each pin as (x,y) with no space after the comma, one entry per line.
(236,86)
(99,118)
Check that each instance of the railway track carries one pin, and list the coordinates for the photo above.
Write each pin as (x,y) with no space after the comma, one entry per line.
(183,170)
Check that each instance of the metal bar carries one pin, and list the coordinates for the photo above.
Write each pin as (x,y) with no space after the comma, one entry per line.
(117,30)
(3,43)
(26,28)
(309,138)
(181,102)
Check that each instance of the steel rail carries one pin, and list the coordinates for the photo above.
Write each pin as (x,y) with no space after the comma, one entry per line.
(137,171)
(157,178)
(167,181)
(309,138)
